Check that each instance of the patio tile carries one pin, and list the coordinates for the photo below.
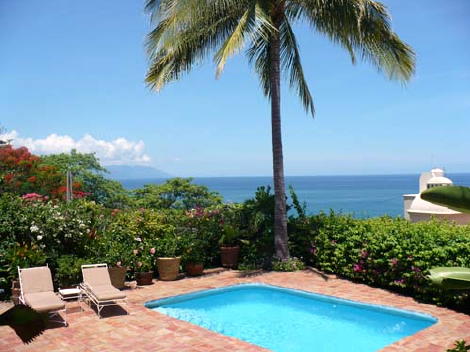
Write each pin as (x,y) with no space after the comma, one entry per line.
(145,330)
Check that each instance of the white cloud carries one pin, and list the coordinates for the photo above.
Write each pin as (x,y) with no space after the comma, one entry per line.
(119,151)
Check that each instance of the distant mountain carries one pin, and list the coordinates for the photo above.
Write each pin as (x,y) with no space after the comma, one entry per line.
(123,172)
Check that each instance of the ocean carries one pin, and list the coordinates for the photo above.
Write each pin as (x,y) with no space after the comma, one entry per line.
(362,196)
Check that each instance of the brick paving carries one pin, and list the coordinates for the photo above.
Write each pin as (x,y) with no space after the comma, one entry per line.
(145,330)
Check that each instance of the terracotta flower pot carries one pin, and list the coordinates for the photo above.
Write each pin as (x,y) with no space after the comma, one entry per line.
(168,268)
(229,256)
(193,269)
(118,276)
(144,278)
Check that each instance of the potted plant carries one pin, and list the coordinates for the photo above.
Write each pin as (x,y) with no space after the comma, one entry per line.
(143,260)
(194,256)
(117,274)
(117,265)
(168,261)
(229,248)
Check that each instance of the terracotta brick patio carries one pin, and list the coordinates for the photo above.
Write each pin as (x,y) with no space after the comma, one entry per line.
(145,330)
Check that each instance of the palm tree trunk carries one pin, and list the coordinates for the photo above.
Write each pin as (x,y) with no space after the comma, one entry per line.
(280,213)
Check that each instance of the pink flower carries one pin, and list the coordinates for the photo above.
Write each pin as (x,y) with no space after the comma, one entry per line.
(394,261)
(118,263)
(152,251)
(32,196)
(364,253)
(357,268)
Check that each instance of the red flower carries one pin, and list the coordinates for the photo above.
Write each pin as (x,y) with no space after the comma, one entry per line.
(8,177)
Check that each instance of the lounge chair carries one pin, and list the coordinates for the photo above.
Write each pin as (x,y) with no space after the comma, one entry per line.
(98,288)
(37,291)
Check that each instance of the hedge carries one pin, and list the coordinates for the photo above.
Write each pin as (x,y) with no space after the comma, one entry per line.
(386,252)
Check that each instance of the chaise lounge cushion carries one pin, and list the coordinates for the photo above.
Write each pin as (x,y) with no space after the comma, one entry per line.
(44,301)
(34,280)
(106,292)
(96,276)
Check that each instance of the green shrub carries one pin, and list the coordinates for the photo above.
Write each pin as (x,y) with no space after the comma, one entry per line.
(194,249)
(17,255)
(68,271)
(291,264)
(256,219)
(459,346)
(386,252)
(176,193)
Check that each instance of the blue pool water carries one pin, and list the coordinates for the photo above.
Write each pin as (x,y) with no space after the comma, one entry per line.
(286,320)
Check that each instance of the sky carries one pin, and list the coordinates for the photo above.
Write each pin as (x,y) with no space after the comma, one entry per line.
(72,76)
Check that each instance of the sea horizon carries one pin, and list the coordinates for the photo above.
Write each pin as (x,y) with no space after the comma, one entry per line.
(362,196)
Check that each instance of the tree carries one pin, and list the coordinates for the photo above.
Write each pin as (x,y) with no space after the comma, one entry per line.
(22,172)
(88,171)
(187,31)
(176,193)
(77,163)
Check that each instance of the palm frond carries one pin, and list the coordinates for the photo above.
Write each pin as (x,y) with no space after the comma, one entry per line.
(363,28)
(259,56)
(181,39)
(290,58)
(254,20)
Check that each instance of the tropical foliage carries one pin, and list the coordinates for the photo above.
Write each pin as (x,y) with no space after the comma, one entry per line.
(90,174)
(182,218)
(187,32)
(22,173)
(176,193)
(384,252)
(387,252)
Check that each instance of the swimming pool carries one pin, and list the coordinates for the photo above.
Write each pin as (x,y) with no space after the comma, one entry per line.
(287,320)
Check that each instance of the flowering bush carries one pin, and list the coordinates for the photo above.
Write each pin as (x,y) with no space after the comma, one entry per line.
(144,259)
(23,173)
(291,264)
(385,252)
(44,231)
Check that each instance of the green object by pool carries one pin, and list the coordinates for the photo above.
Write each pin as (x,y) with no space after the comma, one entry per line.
(451,278)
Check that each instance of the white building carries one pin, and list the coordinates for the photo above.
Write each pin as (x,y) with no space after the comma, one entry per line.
(417,209)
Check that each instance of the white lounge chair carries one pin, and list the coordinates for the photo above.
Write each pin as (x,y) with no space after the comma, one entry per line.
(37,291)
(98,289)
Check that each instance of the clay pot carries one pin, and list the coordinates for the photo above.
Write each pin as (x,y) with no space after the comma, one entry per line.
(168,268)
(144,278)
(229,256)
(117,275)
(193,269)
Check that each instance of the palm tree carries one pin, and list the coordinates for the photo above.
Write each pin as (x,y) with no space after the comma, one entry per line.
(187,31)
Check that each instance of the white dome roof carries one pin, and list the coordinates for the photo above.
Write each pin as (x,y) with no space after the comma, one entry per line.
(421,206)
(439,180)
